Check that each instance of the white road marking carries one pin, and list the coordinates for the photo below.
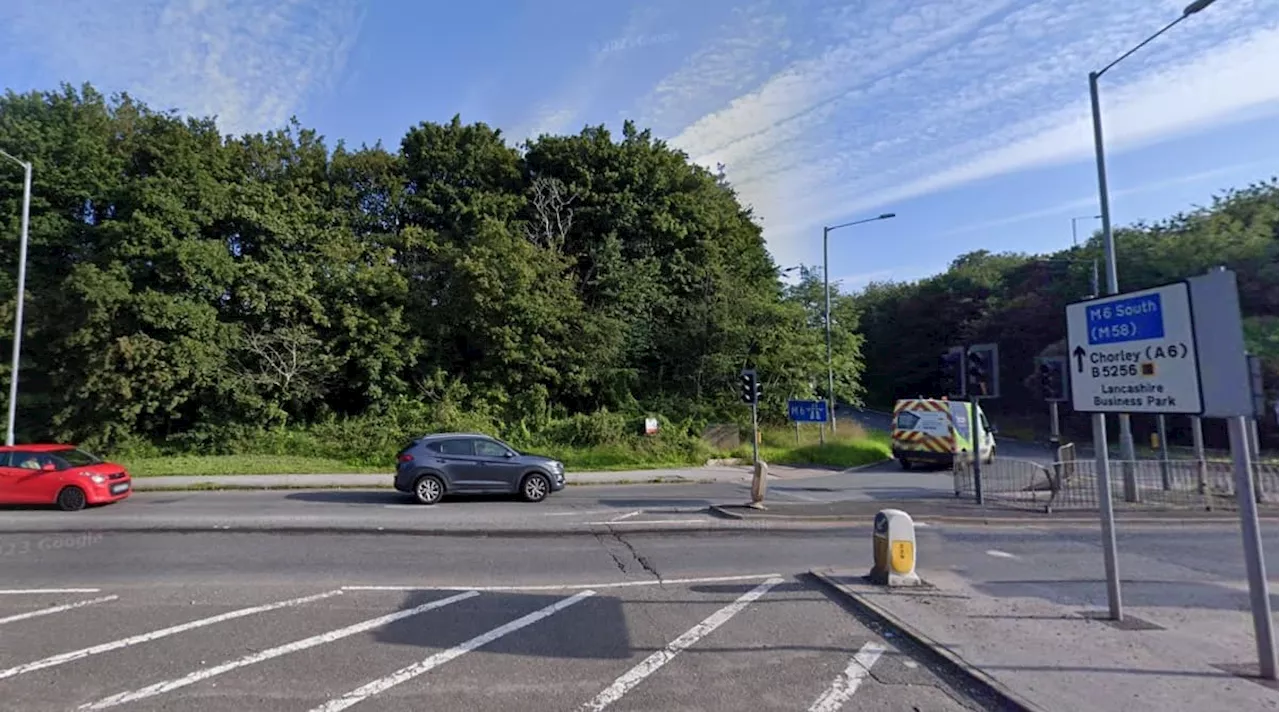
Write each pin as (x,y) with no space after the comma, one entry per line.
(21,591)
(565,586)
(55,609)
(847,682)
(628,515)
(651,664)
(405,674)
(1001,554)
(578,513)
(157,634)
(295,646)
(647,521)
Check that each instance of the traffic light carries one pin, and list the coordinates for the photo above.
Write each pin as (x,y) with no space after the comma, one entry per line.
(982,371)
(953,372)
(1053,379)
(750,387)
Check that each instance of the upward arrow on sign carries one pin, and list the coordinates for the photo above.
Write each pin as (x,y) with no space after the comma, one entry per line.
(1079,354)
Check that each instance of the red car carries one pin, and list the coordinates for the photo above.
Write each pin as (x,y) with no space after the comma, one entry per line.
(59,474)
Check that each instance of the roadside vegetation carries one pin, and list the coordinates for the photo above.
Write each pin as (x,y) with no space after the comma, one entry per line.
(585,443)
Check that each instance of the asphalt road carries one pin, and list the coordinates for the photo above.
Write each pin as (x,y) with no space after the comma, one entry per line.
(666,625)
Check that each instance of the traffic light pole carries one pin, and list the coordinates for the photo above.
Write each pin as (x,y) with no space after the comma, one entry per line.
(976,419)
(1055,430)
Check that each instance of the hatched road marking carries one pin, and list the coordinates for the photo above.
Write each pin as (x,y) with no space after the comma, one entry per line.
(55,609)
(157,634)
(847,682)
(169,685)
(651,664)
(366,691)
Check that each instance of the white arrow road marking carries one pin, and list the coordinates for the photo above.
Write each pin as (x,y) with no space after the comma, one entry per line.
(847,682)
(1001,554)
(55,609)
(364,692)
(313,641)
(651,664)
(157,634)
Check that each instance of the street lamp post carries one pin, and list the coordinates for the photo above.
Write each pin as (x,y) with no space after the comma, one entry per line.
(826,289)
(1113,287)
(1108,240)
(22,283)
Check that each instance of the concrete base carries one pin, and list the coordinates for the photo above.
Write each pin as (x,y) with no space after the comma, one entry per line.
(889,578)
(757,505)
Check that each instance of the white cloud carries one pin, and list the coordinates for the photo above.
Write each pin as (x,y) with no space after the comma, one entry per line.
(886,104)
(250,62)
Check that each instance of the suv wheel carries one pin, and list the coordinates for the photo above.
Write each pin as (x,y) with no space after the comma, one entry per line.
(535,487)
(428,489)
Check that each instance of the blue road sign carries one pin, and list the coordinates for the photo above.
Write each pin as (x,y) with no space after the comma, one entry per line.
(1130,319)
(807,411)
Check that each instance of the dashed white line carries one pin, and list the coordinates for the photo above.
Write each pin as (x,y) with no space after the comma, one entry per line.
(847,682)
(55,609)
(206,673)
(578,512)
(1001,554)
(383,684)
(651,664)
(565,586)
(646,521)
(157,634)
(22,591)
(628,515)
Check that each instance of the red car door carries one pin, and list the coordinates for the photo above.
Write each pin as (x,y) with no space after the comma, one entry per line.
(19,484)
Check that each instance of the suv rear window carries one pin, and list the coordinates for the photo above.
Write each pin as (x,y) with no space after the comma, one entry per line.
(456,447)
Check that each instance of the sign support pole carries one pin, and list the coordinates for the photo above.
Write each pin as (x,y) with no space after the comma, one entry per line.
(1114,604)
(1202,464)
(1259,597)
(1163,433)
(977,450)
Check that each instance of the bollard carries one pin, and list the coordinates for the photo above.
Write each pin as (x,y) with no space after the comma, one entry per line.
(758,485)
(894,547)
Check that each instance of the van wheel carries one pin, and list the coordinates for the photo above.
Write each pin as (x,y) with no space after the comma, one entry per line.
(904,463)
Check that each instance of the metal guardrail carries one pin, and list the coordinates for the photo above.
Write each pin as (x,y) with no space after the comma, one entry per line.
(1072,484)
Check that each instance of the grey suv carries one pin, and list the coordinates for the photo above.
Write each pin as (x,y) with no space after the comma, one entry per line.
(468,463)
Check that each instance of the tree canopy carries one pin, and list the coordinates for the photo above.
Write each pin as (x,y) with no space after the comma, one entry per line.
(1018,300)
(180,279)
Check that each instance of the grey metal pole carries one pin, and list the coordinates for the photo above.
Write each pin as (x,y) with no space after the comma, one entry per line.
(1055,430)
(1113,278)
(1202,464)
(1103,477)
(1259,597)
(1255,456)
(1163,434)
(22,286)
(831,378)
(1096,291)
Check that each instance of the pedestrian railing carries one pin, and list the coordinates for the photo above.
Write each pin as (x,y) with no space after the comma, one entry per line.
(1143,484)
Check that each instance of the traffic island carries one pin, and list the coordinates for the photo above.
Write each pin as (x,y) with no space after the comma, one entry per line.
(1035,652)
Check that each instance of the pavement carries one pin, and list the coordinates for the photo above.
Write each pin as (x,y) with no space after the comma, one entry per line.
(1047,650)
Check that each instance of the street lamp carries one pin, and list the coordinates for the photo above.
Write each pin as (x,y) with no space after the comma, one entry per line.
(1074,241)
(22,281)
(1113,286)
(826,289)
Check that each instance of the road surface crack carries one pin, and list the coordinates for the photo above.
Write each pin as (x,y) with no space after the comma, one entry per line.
(617,561)
(640,558)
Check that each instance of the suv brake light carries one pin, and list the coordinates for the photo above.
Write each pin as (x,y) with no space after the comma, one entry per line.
(404,457)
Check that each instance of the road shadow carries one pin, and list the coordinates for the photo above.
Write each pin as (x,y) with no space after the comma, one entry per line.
(352,496)
(645,503)
(593,628)
(1144,593)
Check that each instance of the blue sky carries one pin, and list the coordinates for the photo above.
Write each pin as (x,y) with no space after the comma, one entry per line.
(968,118)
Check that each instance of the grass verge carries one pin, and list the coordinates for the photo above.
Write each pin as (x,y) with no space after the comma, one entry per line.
(851,447)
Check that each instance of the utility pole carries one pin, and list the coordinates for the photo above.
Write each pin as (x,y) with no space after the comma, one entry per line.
(22,288)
